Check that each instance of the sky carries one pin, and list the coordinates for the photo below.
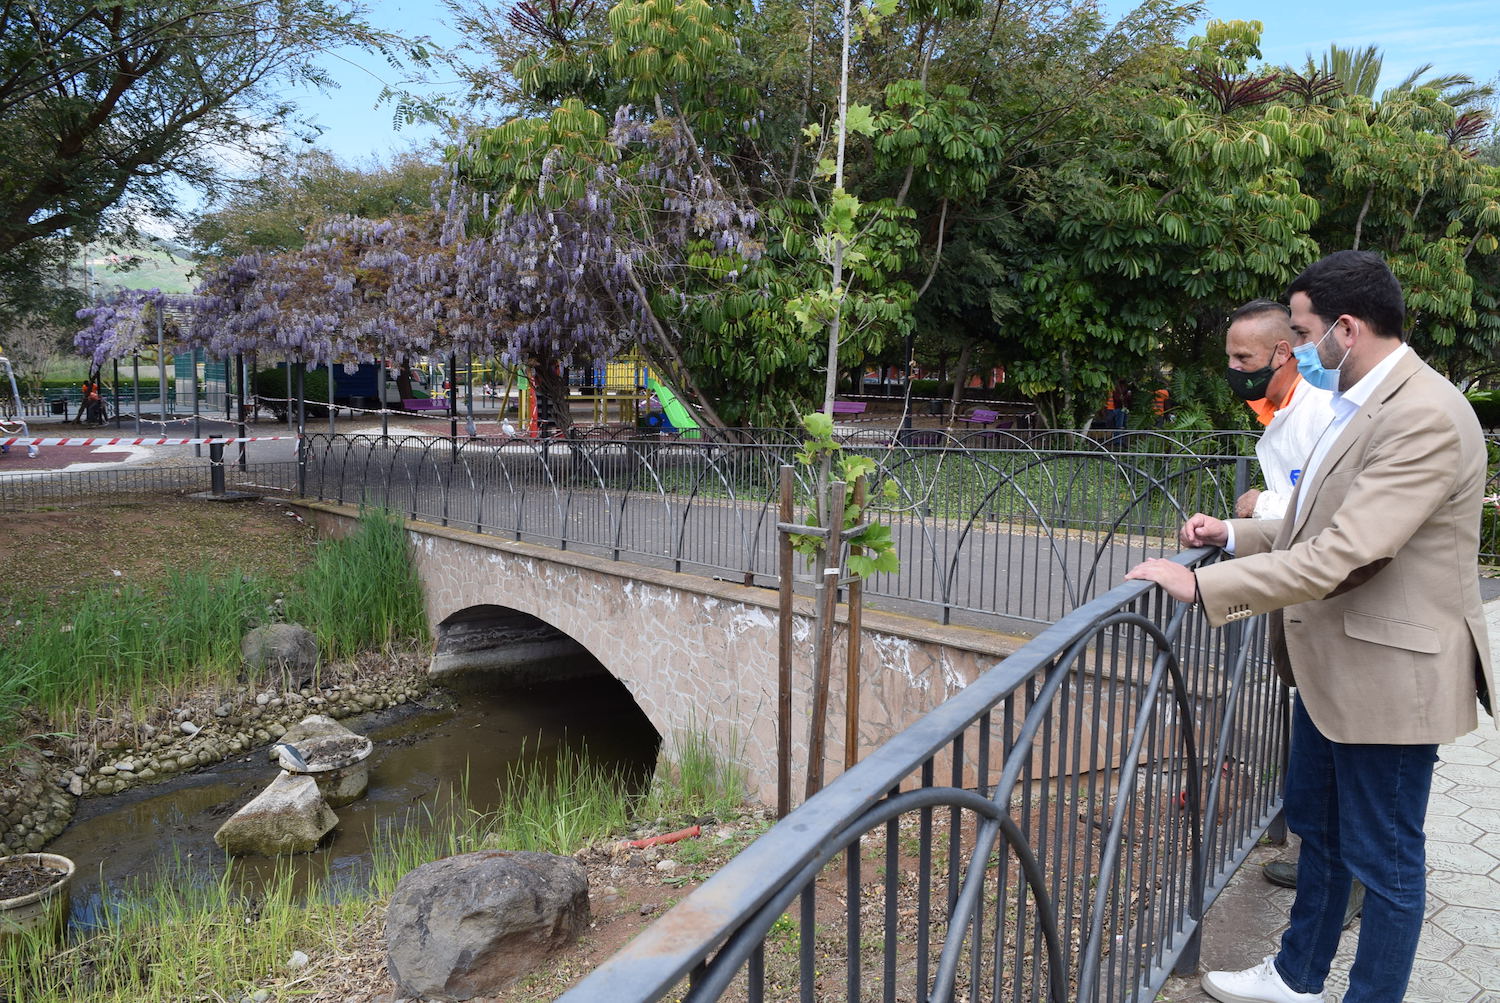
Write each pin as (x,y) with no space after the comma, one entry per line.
(1458,36)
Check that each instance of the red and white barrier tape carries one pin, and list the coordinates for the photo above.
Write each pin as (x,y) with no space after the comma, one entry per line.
(25,441)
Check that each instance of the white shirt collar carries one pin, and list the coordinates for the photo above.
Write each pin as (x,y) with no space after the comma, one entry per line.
(1351,400)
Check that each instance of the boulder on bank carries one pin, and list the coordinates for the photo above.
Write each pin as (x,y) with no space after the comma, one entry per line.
(473,924)
(284,646)
(289,816)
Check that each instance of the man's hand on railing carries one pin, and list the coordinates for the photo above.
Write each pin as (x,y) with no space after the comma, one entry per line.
(1177,581)
(1203,531)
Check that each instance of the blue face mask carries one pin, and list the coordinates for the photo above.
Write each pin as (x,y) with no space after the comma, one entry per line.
(1310,364)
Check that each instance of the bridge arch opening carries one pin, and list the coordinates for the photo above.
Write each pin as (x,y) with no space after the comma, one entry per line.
(499,648)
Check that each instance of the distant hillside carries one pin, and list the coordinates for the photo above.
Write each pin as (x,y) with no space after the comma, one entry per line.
(153,266)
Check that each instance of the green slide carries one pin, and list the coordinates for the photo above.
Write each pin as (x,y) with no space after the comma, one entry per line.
(676,411)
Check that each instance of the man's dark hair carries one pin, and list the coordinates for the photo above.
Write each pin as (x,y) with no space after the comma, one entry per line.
(1257,307)
(1356,283)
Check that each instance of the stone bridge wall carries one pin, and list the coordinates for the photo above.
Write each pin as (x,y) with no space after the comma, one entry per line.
(697,654)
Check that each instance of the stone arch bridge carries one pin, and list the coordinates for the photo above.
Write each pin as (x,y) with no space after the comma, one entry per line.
(696,653)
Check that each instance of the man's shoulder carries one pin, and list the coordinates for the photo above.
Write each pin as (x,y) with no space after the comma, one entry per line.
(1417,384)
(1418,399)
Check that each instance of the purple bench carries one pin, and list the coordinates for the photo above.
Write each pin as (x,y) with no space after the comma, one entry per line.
(424,404)
(981,416)
(849,407)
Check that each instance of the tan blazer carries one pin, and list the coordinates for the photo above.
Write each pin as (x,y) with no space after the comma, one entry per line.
(1375,581)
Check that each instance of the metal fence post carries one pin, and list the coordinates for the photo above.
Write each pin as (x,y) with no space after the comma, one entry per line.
(1241,475)
(216,467)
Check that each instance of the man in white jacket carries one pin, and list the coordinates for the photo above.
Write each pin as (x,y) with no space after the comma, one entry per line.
(1263,373)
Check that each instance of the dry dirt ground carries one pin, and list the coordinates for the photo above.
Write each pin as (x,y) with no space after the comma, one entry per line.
(53,551)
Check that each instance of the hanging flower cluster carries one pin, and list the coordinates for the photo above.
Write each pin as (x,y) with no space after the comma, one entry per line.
(124,321)
(559,276)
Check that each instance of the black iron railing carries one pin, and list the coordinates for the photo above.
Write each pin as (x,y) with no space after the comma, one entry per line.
(25,489)
(1053,832)
(1020,530)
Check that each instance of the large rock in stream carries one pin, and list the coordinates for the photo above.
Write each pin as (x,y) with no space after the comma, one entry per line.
(473,924)
(289,816)
(312,726)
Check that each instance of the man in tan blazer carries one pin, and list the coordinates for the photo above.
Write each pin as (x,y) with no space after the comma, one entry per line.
(1371,580)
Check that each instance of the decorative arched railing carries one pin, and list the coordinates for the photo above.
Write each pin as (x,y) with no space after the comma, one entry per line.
(995,524)
(1053,832)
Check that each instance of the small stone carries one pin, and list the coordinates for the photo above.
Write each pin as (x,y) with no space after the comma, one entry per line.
(126,766)
(666,866)
(297,960)
(147,774)
(189,728)
(75,787)
(647,908)
(108,771)
(261,699)
(276,730)
(223,710)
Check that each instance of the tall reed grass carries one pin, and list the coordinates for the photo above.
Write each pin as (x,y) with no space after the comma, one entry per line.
(132,643)
(361,591)
(181,938)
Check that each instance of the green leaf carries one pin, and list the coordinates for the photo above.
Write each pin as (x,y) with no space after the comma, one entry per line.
(858,119)
(818,424)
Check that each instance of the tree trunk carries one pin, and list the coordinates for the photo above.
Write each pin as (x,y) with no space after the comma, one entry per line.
(551,387)
(402,381)
(960,378)
(1359,224)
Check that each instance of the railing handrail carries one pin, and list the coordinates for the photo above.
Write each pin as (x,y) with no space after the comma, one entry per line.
(768,872)
(657,958)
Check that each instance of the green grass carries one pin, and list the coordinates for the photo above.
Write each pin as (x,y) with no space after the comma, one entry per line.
(122,644)
(177,938)
(361,591)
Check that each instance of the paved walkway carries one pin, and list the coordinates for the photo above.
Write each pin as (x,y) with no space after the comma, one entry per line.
(1458,960)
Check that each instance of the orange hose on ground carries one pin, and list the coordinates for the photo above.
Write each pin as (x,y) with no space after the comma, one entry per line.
(667,837)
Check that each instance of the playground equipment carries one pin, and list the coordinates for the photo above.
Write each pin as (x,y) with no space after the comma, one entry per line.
(676,412)
(15,396)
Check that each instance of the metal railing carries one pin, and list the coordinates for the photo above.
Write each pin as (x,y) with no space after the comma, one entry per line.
(28,489)
(1001,525)
(1053,832)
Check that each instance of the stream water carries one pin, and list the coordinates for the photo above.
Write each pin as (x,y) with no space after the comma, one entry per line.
(423,752)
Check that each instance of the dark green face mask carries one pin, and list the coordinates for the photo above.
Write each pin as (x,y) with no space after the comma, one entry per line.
(1249,386)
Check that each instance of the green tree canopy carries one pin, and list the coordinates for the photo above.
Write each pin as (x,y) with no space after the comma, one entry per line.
(107,105)
(276,210)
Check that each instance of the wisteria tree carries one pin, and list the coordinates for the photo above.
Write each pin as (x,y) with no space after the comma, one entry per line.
(606,230)
(122,323)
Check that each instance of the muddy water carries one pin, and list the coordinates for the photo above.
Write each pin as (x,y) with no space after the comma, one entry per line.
(422,753)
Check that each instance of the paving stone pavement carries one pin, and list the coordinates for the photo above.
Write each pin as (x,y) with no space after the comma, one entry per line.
(1458,959)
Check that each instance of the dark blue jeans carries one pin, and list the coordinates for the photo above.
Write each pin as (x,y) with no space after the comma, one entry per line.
(1359,810)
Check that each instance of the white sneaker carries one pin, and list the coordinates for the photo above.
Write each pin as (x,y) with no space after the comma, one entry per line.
(1261,984)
